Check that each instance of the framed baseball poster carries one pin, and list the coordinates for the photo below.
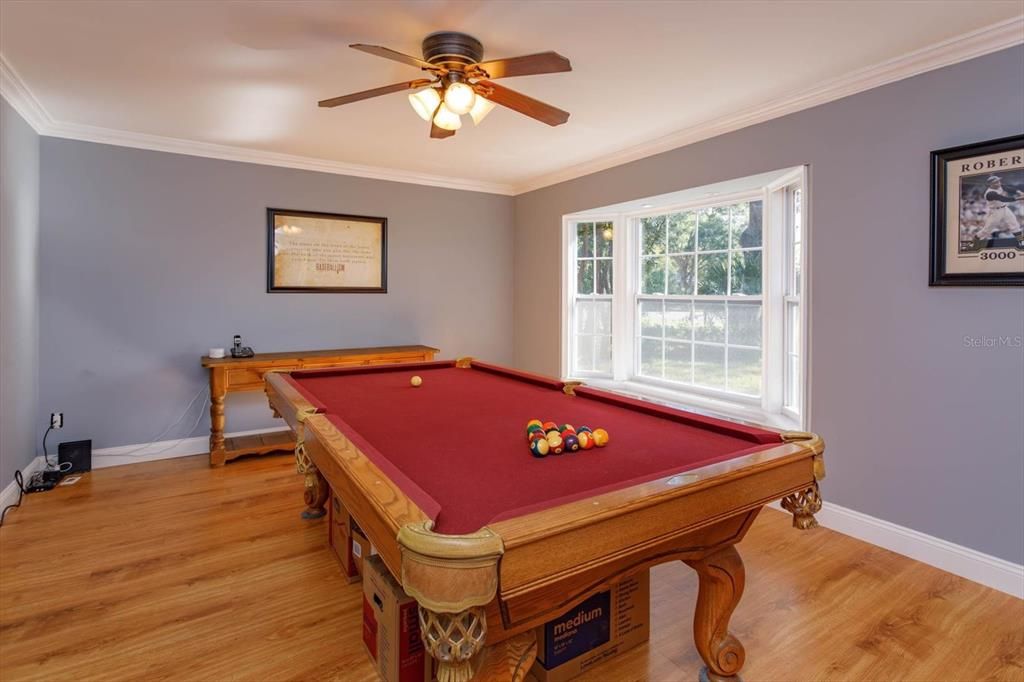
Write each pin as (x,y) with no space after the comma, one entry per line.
(978,214)
(311,252)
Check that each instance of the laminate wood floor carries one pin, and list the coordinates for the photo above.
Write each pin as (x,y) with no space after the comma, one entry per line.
(171,570)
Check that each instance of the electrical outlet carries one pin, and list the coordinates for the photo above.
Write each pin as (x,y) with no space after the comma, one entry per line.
(56,420)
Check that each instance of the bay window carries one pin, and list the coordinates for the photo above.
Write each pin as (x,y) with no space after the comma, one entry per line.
(694,297)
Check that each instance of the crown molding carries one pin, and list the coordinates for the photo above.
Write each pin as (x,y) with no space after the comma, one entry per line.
(14,90)
(977,43)
(21,99)
(173,145)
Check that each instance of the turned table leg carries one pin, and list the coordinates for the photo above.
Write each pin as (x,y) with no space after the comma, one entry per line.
(721,586)
(218,391)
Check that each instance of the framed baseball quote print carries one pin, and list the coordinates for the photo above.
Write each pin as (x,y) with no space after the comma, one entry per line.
(325,253)
(977,213)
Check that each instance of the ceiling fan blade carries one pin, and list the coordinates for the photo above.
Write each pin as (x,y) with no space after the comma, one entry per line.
(439,133)
(527,65)
(376,92)
(379,51)
(517,101)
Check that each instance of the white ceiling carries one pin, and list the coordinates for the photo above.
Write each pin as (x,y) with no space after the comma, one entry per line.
(249,74)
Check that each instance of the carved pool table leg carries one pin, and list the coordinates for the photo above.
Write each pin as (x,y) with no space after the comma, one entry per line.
(803,506)
(507,661)
(316,491)
(454,640)
(721,585)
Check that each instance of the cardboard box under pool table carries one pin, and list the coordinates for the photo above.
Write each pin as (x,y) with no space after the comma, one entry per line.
(348,543)
(603,626)
(391,627)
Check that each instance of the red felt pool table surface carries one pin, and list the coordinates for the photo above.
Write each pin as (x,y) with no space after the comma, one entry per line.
(457,444)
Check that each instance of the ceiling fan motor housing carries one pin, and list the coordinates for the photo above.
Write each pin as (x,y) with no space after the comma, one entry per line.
(450,48)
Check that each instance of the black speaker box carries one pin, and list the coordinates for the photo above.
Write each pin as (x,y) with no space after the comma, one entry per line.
(78,453)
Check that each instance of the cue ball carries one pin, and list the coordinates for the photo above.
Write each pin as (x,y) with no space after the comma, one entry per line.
(416,381)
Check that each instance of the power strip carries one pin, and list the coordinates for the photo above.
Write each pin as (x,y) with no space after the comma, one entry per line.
(41,481)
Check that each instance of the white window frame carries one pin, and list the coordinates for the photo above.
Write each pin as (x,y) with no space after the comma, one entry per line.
(776,245)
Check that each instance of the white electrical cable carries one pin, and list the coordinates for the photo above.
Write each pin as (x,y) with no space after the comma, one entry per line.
(156,439)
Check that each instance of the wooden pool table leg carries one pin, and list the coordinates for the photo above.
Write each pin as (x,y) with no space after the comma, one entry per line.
(721,586)
(455,641)
(317,490)
(507,661)
(803,506)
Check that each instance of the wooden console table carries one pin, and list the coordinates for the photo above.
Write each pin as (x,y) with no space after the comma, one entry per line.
(231,375)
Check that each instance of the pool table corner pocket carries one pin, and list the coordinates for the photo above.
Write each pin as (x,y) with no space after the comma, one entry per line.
(452,578)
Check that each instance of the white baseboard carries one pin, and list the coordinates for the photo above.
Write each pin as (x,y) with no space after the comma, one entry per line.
(971,564)
(167,449)
(9,495)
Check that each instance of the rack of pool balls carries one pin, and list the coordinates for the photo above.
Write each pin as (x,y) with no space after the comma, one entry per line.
(548,438)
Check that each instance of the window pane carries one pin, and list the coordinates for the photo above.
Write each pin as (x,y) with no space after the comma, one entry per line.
(709,366)
(585,353)
(792,382)
(745,371)
(678,320)
(793,328)
(797,214)
(604,234)
(680,275)
(746,273)
(650,358)
(585,277)
(653,231)
(584,317)
(677,361)
(709,322)
(651,319)
(585,240)
(604,276)
(603,354)
(745,223)
(744,324)
(795,241)
(712,274)
(682,228)
(714,229)
(653,274)
(797,270)
(602,317)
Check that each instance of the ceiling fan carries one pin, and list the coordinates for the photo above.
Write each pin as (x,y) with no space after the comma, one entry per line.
(460,83)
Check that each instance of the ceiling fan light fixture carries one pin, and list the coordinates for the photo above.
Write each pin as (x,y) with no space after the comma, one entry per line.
(447,119)
(425,102)
(480,109)
(459,98)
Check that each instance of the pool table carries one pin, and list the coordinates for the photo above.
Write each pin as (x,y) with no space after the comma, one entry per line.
(492,541)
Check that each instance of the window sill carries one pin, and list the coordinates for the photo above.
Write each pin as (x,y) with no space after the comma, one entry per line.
(693,402)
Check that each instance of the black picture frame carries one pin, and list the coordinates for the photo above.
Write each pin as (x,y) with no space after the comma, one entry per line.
(274,288)
(940,186)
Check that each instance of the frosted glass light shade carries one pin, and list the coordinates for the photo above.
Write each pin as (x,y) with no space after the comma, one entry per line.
(425,102)
(480,109)
(447,119)
(459,98)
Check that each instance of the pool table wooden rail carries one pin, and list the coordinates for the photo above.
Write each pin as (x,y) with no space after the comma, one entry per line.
(491,588)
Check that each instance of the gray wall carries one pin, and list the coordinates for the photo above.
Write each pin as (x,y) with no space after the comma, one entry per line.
(921,430)
(149,259)
(19,291)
